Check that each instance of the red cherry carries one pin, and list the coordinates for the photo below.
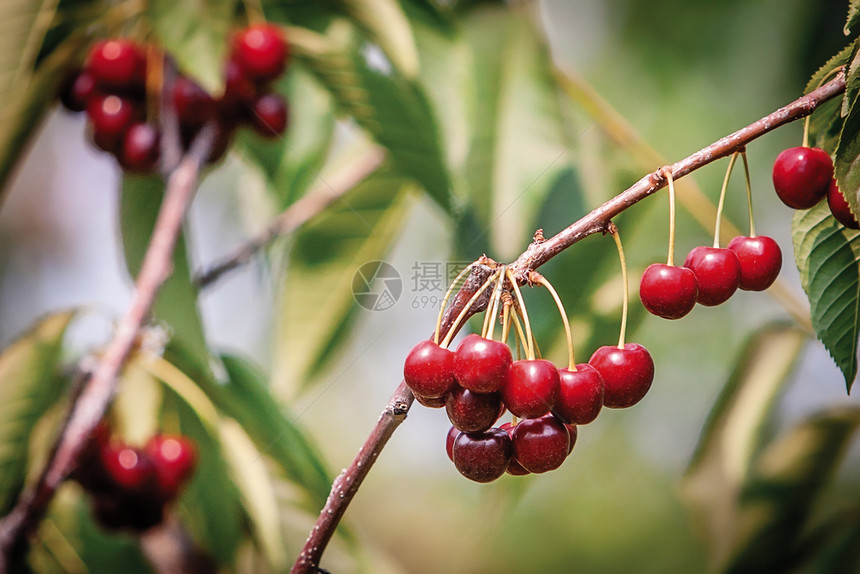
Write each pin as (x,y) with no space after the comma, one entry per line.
(801,176)
(453,433)
(514,467)
(473,412)
(668,291)
(484,456)
(760,258)
(572,433)
(239,94)
(481,365)
(627,373)
(530,388)
(140,148)
(117,65)
(77,91)
(429,370)
(580,396)
(839,207)
(174,459)
(270,115)
(129,468)
(718,273)
(194,106)
(435,403)
(541,445)
(111,116)
(262,52)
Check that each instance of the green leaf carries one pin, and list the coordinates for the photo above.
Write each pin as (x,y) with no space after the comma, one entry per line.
(177,301)
(29,387)
(778,499)
(834,546)
(846,163)
(519,145)
(387,25)
(393,109)
(827,257)
(852,79)
(840,59)
(734,431)
(195,33)
(316,305)
(853,16)
(825,125)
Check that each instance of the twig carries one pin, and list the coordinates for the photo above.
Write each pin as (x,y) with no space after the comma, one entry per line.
(538,253)
(299,213)
(90,407)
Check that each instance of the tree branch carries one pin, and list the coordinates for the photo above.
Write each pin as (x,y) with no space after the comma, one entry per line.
(90,406)
(538,253)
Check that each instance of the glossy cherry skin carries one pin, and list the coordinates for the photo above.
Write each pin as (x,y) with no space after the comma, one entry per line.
(801,176)
(530,388)
(117,65)
(473,412)
(760,258)
(572,433)
(174,458)
(130,469)
(718,273)
(484,456)
(140,148)
(580,396)
(110,117)
(270,115)
(77,91)
(514,468)
(434,403)
(668,291)
(453,433)
(262,52)
(839,207)
(481,364)
(541,445)
(429,370)
(627,373)
(194,106)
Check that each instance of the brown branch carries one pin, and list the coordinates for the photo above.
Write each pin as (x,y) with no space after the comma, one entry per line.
(538,253)
(299,213)
(90,406)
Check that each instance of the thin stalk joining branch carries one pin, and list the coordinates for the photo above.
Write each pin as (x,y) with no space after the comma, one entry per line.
(616,235)
(541,280)
(670,260)
(723,198)
(749,192)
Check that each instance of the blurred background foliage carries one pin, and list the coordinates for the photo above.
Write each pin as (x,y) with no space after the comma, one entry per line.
(498,118)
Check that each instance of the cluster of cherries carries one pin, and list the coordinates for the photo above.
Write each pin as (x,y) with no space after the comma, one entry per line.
(480,381)
(131,486)
(803,176)
(112,89)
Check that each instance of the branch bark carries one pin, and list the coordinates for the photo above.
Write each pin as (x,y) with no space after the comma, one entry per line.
(90,406)
(538,253)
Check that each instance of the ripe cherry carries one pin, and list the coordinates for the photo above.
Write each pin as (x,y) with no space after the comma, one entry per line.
(530,388)
(110,116)
(117,65)
(434,403)
(473,412)
(481,364)
(801,176)
(718,273)
(514,467)
(429,370)
(839,207)
(174,459)
(140,148)
(627,373)
(580,396)
(453,433)
(239,94)
(77,91)
(270,115)
(129,468)
(668,291)
(484,456)
(572,433)
(760,258)
(262,52)
(194,106)
(541,445)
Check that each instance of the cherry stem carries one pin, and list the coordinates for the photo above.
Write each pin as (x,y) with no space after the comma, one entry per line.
(456,325)
(616,235)
(806,131)
(671,259)
(723,199)
(497,297)
(448,293)
(521,340)
(826,77)
(506,319)
(541,280)
(749,191)
(529,337)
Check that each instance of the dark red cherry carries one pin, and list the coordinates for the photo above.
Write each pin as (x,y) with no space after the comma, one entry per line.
(129,468)
(760,258)
(572,433)
(668,291)
(580,396)
(110,117)
(194,106)
(434,403)
(239,94)
(77,91)
(541,445)
(839,207)
(484,456)
(530,388)
(262,52)
(473,412)
(627,373)
(90,473)
(117,64)
(174,458)
(429,370)
(718,273)
(480,364)
(801,176)
(140,148)
(514,467)
(453,433)
(270,115)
